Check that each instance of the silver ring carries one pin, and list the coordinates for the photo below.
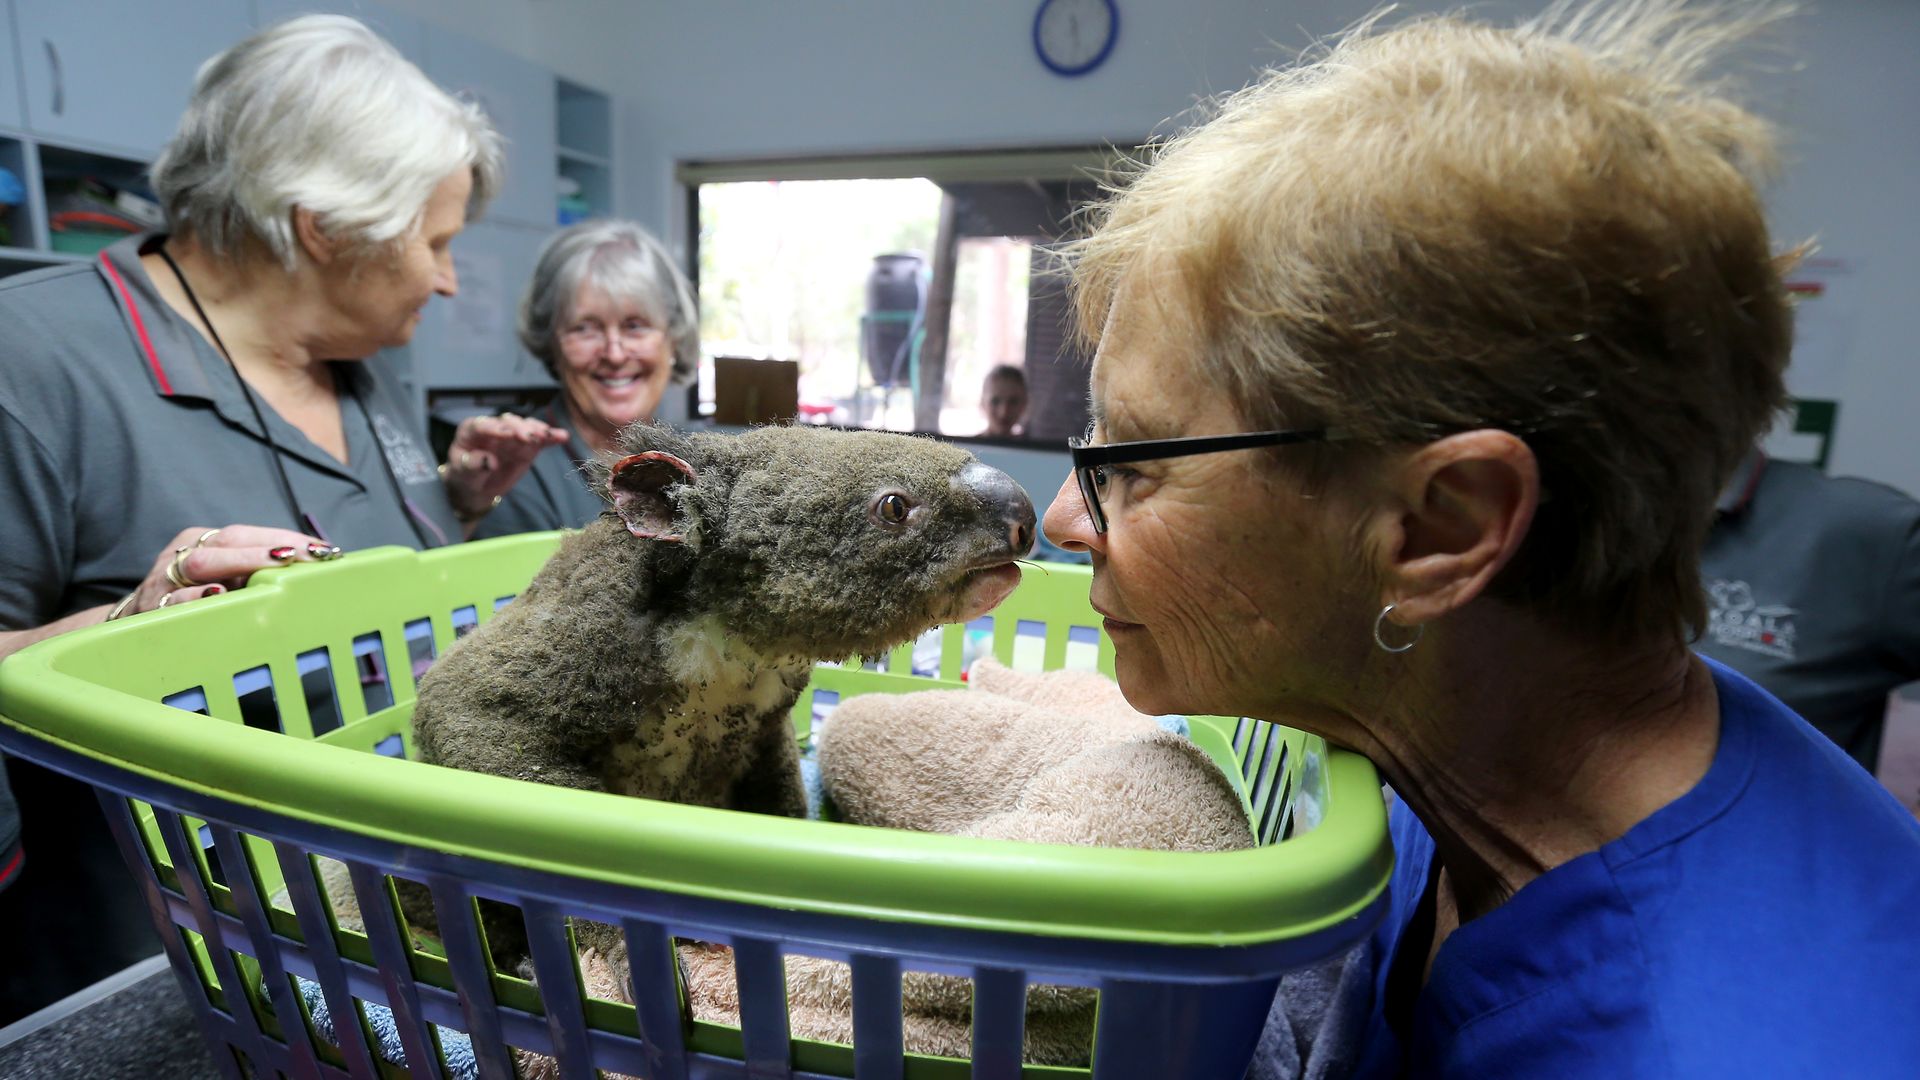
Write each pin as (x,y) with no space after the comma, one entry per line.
(1380,621)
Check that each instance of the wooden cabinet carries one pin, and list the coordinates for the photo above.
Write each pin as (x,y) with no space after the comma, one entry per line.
(117,73)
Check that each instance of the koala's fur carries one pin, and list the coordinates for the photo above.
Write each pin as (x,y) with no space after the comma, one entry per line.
(659,651)
(661,648)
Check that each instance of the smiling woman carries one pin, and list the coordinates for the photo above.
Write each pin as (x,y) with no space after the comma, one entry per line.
(613,320)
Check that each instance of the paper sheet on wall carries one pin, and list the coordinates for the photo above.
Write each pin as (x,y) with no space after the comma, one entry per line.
(1824,320)
(477,315)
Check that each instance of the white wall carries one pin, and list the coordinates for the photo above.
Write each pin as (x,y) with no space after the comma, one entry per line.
(758,78)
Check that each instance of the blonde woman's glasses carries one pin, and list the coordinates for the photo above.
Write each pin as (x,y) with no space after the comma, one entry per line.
(1090,463)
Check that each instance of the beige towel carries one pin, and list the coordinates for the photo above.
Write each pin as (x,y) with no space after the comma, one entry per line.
(1056,758)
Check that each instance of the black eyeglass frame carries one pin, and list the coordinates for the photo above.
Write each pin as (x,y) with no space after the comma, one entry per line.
(1089,460)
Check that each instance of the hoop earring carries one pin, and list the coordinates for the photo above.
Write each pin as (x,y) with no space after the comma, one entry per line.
(1380,621)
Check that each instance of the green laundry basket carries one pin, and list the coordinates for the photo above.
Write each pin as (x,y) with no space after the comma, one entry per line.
(235,739)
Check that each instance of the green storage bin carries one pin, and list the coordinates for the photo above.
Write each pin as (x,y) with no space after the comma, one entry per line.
(242,735)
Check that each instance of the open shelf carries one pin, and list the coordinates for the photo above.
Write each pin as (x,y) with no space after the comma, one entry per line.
(585,122)
(583,153)
(62,169)
(578,158)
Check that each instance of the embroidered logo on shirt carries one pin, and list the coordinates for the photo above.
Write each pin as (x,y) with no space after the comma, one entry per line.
(409,464)
(1736,621)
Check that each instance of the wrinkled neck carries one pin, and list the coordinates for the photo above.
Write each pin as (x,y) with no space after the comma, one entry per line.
(1520,748)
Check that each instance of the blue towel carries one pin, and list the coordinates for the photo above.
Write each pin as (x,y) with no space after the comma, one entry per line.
(455,1047)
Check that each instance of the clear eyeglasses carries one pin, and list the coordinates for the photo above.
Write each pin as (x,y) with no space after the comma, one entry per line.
(1090,462)
(635,333)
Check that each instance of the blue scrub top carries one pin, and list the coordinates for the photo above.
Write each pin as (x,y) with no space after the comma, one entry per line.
(1764,924)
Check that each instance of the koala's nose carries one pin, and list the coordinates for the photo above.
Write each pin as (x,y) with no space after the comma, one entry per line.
(1005,499)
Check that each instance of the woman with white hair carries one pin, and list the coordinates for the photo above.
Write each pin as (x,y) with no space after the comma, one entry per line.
(614,322)
(199,404)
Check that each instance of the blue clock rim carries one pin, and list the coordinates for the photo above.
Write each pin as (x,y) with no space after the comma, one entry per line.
(1113,36)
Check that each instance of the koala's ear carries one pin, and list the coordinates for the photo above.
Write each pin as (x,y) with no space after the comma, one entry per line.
(639,484)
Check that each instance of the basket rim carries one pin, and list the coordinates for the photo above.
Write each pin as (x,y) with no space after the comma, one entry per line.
(1293,889)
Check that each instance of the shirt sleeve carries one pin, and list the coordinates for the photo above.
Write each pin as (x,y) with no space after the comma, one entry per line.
(37,542)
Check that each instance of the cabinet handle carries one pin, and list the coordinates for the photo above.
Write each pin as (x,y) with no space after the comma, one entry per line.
(59,84)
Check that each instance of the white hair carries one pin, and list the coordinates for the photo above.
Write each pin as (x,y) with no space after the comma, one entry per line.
(317,112)
(625,262)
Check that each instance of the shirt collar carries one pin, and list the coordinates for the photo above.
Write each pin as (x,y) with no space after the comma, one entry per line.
(169,348)
(181,364)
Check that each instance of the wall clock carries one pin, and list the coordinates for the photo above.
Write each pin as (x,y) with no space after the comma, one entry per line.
(1073,37)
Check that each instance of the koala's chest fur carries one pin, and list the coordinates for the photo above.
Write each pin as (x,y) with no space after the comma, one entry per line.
(696,743)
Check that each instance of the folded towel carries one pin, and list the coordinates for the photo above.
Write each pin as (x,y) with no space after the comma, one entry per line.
(1053,757)
(1056,757)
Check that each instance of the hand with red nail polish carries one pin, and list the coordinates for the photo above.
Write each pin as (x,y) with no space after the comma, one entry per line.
(201,562)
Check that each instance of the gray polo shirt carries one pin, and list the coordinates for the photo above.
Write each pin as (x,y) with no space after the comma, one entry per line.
(120,425)
(1813,591)
(554,493)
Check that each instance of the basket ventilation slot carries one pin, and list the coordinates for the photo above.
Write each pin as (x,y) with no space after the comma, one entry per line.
(420,650)
(316,685)
(465,619)
(259,708)
(370,659)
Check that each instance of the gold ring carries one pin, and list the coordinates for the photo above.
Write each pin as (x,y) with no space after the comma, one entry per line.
(206,536)
(466,459)
(120,608)
(176,569)
(164,601)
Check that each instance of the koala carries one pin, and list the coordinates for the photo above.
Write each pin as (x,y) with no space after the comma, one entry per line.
(658,653)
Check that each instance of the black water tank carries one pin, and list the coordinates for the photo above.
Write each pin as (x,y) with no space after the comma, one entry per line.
(893,300)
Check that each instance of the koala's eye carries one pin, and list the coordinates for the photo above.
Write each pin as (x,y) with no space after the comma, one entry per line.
(891,509)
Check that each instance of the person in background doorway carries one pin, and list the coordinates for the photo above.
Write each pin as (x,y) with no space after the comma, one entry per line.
(196,405)
(1003,398)
(615,323)
(1813,587)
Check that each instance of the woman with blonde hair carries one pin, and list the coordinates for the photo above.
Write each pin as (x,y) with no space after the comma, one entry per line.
(1419,369)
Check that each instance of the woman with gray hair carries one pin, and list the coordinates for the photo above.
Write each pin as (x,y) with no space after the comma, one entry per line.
(1419,370)
(199,404)
(613,321)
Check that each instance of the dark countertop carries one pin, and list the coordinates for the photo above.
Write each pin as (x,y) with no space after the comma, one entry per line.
(133,1025)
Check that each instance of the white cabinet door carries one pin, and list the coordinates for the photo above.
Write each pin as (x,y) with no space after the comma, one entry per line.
(118,72)
(519,96)
(468,341)
(11,114)
(407,33)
